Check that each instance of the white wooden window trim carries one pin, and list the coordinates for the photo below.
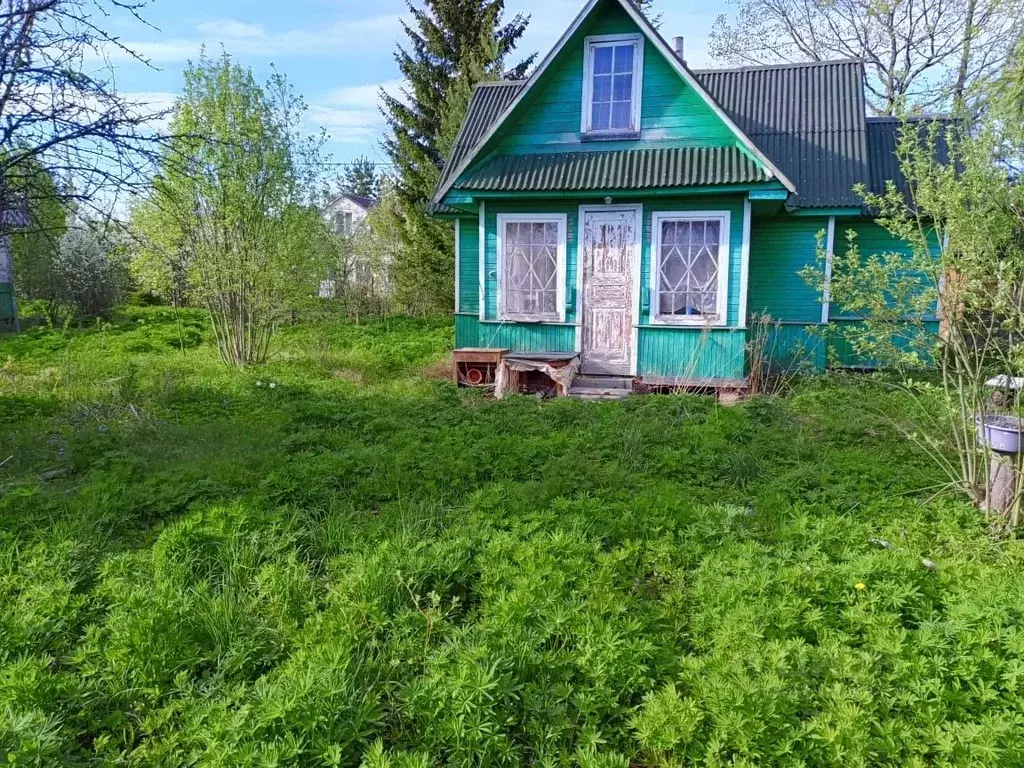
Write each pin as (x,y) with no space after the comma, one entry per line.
(826,293)
(721,317)
(458,248)
(561,220)
(483,259)
(745,263)
(605,41)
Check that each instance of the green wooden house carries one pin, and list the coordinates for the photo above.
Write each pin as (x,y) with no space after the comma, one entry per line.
(623,207)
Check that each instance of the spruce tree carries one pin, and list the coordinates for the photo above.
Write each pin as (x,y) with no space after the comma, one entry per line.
(360,178)
(452,45)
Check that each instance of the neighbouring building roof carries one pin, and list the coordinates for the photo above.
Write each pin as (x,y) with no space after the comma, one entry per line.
(614,169)
(809,119)
(366,203)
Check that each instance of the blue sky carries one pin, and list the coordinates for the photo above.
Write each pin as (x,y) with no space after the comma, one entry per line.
(337,53)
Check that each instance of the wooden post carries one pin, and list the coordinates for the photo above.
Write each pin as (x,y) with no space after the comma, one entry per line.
(1002,482)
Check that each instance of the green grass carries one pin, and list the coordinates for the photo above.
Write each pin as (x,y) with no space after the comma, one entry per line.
(361,564)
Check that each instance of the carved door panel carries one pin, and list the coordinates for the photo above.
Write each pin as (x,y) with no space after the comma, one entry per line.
(607,252)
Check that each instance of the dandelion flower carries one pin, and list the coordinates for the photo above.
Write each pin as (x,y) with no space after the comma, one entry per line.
(860,586)
(272,385)
(259,383)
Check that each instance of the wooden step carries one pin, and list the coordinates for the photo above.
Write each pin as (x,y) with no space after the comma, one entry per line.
(598,393)
(603,382)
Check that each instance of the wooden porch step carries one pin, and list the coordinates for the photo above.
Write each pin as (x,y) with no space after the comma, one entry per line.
(598,393)
(594,387)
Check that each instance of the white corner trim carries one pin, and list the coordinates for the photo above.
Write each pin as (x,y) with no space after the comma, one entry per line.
(458,246)
(562,220)
(826,293)
(724,261)
(483,260)
(745,262)
(597,41)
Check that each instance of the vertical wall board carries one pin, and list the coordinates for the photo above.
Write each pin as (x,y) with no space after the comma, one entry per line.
(686,353)
(779,249)
(519,337)
(469,266)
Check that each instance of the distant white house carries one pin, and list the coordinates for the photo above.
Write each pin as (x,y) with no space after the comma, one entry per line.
(346,215)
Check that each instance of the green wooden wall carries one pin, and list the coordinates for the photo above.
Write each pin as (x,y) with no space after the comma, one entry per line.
(519,337)
(672,113)
(686,353)
(779,248)
(468,299)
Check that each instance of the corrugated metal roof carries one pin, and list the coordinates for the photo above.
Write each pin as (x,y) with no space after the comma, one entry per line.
(883,138)
(614,169)
(808,118)
(489,100)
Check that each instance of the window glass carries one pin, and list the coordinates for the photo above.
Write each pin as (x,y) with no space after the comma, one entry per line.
(611,87)
(688,264)
(530,286)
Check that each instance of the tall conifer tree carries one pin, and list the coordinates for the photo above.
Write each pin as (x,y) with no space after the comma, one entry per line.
(452,45)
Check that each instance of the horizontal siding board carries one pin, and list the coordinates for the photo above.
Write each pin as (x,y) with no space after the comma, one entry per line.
(519,337)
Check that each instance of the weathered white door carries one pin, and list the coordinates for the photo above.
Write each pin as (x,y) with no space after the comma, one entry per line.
(608,250)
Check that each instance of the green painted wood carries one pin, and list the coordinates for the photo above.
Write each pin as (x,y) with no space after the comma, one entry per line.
(731,203)
(519,337)
(792,347)
(550,115)
(469,265)
(686,353)
(779,248)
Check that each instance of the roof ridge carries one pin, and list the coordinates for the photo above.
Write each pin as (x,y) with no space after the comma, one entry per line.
(785,65)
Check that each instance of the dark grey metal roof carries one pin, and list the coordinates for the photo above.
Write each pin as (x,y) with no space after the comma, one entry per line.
(614,169)
(489,100)
(884,137)
(808,118)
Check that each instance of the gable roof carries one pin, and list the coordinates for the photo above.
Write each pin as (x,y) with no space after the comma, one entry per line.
(884,138)
(809,118)
(366,203)
(454,170)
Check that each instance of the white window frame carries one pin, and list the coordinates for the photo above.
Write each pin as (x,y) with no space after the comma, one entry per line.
(562,220)
(604,41)
(721,317)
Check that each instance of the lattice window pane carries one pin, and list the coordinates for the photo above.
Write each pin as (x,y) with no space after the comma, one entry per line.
(688,264)
(531,268)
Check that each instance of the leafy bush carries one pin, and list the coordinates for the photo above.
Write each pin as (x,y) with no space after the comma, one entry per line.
(394,573)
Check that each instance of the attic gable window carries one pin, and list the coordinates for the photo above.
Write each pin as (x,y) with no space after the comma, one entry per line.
(613,66)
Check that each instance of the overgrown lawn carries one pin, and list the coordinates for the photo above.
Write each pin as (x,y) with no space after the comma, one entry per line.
(334,559)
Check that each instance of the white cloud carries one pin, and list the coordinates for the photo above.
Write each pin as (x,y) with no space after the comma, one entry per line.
(241,38)
(351,114)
